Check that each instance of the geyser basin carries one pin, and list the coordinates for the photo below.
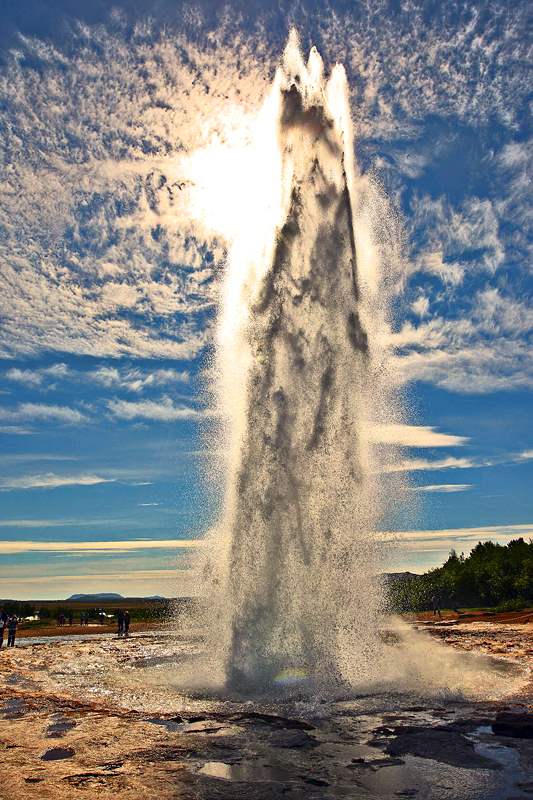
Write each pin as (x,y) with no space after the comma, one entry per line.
(136,729)
(301,378)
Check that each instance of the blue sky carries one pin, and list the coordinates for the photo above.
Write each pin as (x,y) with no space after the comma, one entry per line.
(109,282)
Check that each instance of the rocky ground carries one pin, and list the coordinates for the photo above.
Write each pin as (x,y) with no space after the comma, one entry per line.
(100,718)
(511,641)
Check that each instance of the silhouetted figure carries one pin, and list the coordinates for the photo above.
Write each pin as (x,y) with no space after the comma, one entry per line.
(11,630)
(120,620)
(101,619)
(127,622)
(3,623)
(70,618)
(454,602)
(436,605)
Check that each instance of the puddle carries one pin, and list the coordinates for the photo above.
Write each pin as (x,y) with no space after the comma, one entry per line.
(59,728)
(15,703)
(13,709)
(28,641)
(250,773)
(58,753)
(425,778)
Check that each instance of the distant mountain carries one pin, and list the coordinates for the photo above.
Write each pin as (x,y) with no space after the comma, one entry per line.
(91,597)
(155,597)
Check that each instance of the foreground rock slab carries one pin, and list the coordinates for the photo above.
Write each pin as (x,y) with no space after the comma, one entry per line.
(516,724)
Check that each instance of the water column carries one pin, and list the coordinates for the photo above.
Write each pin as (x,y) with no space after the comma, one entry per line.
(294,591)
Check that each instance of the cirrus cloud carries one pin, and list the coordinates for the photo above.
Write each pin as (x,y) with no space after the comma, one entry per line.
(51,481)
(40,411)
(415,436)
(163,410)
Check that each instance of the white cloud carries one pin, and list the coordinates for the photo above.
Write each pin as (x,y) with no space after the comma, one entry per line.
(421,306)
(50,481)
(412,164)
(35,378)
(469,535)
(444,487)
(62,523)
(415,436)
(514,163)
(26,376)
(133,583)
(485,349)
(419,551)
(135,380)
(100,254)
(445,235)
(433,263)
(423,464)
(72,547)
(15,430)
(162,411)
(132,379)
(16,458)
(40,411)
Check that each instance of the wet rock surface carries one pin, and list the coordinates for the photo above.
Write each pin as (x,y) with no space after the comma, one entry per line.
(518,724)
(58,754)
(129,736)
(512,641)
(437,744)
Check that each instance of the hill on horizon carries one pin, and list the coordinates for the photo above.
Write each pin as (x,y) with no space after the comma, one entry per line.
(100,596)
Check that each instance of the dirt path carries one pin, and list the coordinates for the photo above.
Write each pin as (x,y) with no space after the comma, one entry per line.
(466,617)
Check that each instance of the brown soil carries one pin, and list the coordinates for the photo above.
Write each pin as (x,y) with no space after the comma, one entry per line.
(507,617)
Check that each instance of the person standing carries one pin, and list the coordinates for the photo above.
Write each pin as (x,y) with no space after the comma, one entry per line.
(127,623)
(3,623)
(436,605)
(120,620)
(454,602)
(11,630)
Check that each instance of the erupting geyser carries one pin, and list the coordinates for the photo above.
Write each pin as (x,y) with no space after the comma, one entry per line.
(295,595)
